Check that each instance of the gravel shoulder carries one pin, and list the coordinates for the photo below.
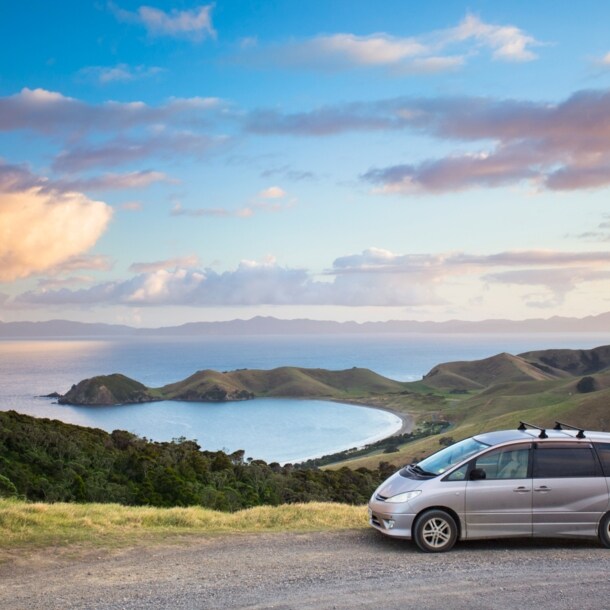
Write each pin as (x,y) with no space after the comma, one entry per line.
(354,569)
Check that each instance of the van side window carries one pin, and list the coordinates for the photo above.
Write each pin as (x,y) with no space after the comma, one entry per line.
(565,462)
(505,463)
(603,450)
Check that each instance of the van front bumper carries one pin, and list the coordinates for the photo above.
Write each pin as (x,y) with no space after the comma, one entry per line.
(397,525)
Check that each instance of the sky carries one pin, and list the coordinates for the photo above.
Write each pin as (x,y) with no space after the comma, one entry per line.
(340,160)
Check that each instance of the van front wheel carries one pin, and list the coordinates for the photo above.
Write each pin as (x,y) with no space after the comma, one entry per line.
(435,531)
(604,530)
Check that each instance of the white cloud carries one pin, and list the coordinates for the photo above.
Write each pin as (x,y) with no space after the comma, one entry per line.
(119,73)
(194,24)
(433,52)
(508,43)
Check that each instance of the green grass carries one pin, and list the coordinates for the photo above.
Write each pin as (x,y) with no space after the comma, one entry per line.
(39,525)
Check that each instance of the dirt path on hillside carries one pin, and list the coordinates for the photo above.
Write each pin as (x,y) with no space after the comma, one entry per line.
(342,570)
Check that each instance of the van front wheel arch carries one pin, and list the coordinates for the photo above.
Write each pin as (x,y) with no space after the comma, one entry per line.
(435,531)
(604,530)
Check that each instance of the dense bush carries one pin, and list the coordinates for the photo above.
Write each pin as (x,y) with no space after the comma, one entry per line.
(51,461)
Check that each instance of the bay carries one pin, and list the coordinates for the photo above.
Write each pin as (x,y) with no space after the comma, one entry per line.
(274,429)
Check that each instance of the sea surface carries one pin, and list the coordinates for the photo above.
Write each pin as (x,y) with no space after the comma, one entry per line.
(282,430)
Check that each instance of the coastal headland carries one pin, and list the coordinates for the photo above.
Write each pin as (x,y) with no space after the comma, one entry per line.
(468,396)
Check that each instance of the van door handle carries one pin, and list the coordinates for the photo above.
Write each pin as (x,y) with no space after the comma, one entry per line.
(543,488)
(521,490)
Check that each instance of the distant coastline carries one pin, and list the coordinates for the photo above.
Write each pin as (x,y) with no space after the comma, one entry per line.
(260,325)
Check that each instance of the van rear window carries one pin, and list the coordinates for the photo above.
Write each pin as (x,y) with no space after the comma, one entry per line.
(603,450)
(565,462)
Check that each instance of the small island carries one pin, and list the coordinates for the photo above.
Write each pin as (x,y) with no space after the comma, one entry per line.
(243,384)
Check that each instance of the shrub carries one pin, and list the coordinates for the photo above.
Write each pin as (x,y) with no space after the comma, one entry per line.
(586,384)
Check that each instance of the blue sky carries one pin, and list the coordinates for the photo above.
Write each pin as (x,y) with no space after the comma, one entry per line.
(178,161)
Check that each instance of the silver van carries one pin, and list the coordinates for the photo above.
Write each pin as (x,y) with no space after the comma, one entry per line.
(510,483)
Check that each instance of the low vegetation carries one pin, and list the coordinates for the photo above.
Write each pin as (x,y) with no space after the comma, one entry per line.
(24,524)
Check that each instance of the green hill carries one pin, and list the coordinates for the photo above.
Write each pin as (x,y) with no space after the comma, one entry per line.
(479,374)
(572,361)
(107,390)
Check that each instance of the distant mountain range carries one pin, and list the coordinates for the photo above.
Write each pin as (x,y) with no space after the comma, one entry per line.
(273,326)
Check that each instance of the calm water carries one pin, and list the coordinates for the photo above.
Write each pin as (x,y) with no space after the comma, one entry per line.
(270,429)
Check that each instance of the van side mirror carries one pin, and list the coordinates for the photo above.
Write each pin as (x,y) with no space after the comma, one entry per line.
(478,474)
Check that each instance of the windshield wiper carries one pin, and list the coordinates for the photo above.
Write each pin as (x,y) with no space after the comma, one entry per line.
(419,470)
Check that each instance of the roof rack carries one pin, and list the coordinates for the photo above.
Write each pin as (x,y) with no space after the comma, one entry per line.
(524,426)
(560,426)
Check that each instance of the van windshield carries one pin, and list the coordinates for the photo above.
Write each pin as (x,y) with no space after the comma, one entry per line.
(444,459)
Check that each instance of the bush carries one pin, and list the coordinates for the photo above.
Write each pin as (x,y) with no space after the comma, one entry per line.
(586,385)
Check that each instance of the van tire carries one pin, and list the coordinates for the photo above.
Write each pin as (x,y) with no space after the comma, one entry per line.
(604,530)
(435,531)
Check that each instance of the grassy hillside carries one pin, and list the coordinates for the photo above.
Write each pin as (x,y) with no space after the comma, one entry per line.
(503,405)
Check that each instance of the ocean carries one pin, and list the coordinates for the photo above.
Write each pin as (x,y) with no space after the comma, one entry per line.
(282,430)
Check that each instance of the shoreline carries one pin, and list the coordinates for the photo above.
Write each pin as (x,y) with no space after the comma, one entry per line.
(408,421)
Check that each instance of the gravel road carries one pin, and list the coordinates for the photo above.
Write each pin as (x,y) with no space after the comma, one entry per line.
(343,570)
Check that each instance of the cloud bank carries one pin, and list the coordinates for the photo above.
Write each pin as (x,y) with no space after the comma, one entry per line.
(375,277)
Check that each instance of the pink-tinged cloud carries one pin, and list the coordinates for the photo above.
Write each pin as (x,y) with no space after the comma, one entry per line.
(273,192)
(49,112)
(562,146)
(83,262)
(194,24)
(112,182)
(42,228)
(123,150)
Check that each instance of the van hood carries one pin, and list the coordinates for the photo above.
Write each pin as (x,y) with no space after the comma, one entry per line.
(398,484)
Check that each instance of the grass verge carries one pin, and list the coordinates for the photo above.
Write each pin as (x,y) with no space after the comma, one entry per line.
(38,525)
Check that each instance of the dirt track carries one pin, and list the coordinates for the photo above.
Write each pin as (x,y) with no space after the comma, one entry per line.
(345,570)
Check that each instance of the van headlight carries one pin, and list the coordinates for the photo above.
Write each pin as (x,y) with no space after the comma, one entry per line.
(405,496)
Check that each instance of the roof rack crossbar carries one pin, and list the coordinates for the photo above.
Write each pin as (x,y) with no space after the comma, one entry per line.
(523,425)
(560,426)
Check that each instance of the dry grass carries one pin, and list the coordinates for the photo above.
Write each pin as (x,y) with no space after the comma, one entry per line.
(39,525)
